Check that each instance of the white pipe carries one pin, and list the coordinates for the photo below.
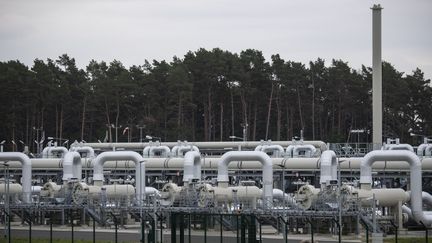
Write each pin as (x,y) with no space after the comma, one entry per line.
(151,191)
(146,151)
(276,149)
(328,167)
(376,78)
(99,161)
(47,152)
(428,150)
(90,153)
(289,151)
(263,158)
(26,171)
(280,195)
(258,148)
(184,148)
(415,177)
(307,148)
(164,150)
(421,148)
(72,167)
(192,166)
(402,146)
(205,145)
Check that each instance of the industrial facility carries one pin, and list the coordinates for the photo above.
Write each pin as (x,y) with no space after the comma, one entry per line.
(231,191)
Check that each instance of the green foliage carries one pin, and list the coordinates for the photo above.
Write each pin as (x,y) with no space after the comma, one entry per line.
(206,95)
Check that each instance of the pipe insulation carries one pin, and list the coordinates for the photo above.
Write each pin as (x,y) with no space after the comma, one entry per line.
(72,167)
(192,166)
(263,158)
(415,177)
(304,150)
(100,160)
(48,152)
(26,171)
(276,150)
(204,145)
(90,153)
(162,149)
(328,167)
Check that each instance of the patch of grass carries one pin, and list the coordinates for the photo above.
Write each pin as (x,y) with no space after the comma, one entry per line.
(406,240)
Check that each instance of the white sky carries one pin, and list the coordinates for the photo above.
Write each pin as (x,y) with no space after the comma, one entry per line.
(134,30)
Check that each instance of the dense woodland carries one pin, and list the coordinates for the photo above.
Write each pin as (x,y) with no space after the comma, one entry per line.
(206,95)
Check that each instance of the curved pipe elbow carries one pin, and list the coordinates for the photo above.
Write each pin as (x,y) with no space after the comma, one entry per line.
(26,171)
(328,166)
(192,166)
(72,167)
(90,153)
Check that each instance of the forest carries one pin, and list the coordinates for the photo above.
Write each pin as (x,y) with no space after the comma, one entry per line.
(207,95)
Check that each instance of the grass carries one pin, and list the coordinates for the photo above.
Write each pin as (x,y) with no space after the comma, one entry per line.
(406,240)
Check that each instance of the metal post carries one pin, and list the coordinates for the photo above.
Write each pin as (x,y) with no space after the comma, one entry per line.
(181,228)
(30,230)
(205,228)
(72,226)
(94,230)
(189,230)
(51,228)
(221,229)
(426,232)
(173,228)
(237,227)
(396,231)
(260,229)
(376,78)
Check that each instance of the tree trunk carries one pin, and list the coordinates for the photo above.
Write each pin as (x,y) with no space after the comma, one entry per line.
(255,122)
(221,121)
(232,114)
(107,114)
(83,117)
(269,112)
(313,109)
(300,109)
(61,123)
(279,115)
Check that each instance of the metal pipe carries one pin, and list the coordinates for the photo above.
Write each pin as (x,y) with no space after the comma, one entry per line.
(47,152)
(276,149)
(415,177)
(308,149)
(192,166)
(146,151)
(26,171)
(205,145)
(164,150)
(263,158)
(100,160)
(72,167)
(376,77)
(402,146)
(90,153)
(328,167)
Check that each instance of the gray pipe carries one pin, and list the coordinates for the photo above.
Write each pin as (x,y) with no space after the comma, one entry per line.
(26,171)
(328,167)
(308,148)
(184,148)
(72,167)
(267,170)
(205,145)
(415,177)
(90,153)
(47,152)
(192,166)
(428,150)
(421,148)
(99,161)
(402,146)
(146,151)
(276,149)
(165,151)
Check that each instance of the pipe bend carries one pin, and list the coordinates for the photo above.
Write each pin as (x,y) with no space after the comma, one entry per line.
(192,166)
(328,166)
(72,167)
(90,153)
(26,171)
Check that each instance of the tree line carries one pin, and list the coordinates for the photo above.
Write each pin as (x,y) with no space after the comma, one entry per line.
(208,95)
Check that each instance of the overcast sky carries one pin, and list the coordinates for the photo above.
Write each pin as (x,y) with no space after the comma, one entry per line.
(132,30)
